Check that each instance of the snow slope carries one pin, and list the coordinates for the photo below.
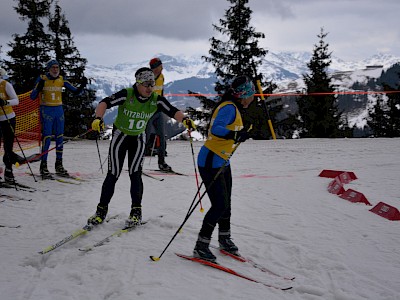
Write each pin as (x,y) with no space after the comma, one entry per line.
(283,218)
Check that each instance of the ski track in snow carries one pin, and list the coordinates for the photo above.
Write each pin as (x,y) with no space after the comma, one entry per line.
(283,218)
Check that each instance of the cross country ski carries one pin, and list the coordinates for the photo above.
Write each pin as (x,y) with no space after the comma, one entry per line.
(230,271)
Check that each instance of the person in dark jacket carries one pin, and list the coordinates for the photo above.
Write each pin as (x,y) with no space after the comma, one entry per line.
(8,99)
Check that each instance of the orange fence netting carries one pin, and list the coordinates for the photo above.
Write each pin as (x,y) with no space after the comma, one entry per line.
(28,127)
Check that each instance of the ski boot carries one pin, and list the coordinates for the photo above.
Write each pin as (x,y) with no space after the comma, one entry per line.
(44,172)
(99,216)
(135,217)
(60,171)
(202,250)
(9,176)
(225,243)
(163,166)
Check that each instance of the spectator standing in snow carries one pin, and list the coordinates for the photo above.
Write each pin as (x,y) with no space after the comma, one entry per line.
(136,105)
(225,131)
(8,99)
(158,121)
(50,86)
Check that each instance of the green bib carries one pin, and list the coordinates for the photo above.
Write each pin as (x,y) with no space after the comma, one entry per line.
(133,115)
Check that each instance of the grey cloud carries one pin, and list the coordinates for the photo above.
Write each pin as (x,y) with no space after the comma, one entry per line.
(177,19)
(355,26)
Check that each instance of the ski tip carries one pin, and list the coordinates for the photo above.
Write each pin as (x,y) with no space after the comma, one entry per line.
(154,258)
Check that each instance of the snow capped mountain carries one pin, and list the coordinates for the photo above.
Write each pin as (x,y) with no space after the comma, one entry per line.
(279,67)
(183,73)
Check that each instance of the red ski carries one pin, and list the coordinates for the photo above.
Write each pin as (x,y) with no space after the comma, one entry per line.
(227,270)
(254,264)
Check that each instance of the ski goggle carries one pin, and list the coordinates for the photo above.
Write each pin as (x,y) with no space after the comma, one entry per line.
(147,83)
(244,90)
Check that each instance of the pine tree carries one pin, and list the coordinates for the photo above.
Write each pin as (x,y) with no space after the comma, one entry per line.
(393,102)
(384,116)
(319,115)
(202,116)
(377,117)
(78,110)
(238,54)
(29,51)
(394,113)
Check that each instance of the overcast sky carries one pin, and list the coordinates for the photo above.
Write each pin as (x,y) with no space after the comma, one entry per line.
(109,32)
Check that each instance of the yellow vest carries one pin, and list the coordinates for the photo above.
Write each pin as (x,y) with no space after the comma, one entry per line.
(220,146)
(158,88)
(52,91)
(3,95)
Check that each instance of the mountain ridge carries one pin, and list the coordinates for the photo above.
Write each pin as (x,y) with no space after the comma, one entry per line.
(286,69)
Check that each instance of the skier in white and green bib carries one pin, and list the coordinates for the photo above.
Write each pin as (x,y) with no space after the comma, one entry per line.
(136,105)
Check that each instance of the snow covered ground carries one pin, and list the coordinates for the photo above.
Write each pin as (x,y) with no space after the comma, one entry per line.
(283,218)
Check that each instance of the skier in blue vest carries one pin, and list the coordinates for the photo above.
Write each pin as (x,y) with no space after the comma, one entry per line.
(225,131)
(50,87)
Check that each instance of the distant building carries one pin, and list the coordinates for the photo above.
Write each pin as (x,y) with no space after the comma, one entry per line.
(373,67)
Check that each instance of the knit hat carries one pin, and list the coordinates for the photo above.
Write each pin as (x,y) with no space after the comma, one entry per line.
(155,62)
(144,74)
(243,87)
(51,63)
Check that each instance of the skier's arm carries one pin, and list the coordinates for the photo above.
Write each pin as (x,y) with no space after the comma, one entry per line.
(113,100)
(39,84)
(226,115)
(75,90)
(12,94)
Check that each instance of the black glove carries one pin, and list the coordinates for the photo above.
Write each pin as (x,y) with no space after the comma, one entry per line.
(82,86)
(84,82)
(238,136)
(3,102)
(40,85)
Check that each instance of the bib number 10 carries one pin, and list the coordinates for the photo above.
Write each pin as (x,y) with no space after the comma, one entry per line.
(138,125)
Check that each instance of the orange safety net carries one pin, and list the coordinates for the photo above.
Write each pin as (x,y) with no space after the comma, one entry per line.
(28,127)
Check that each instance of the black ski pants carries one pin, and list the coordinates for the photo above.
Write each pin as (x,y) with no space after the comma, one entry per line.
(219,191)
(120,145)
(7,129)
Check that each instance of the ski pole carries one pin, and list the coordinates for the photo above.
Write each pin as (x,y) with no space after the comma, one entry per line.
(195,169)
(102,164)
(22,151)
(98,152)
(226,161)
(152,148)
(191,209)
(155,258)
